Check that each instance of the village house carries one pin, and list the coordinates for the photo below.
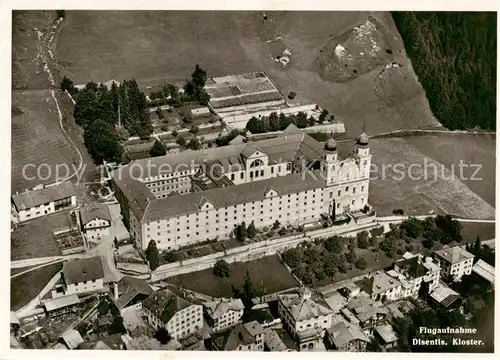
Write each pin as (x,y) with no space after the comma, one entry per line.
(454,261)
(387,337)
(178,316)
(62,305)
(35,203)
(243,337)
(130,292)
(95,221)
(224,313)
(366,312)
(345,336)
(304,318)
(83,276)
(380,286)
(412,271)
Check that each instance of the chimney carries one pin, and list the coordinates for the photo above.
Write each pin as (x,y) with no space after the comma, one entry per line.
(115,285)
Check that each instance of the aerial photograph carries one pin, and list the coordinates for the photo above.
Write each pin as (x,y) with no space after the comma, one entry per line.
(270,181)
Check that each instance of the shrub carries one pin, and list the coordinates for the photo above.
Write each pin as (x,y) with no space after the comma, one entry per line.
(221,269)
(175,133)
(398,211)
(291,95)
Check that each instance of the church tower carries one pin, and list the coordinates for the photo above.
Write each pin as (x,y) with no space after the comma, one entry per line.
(363,152)
(330,161)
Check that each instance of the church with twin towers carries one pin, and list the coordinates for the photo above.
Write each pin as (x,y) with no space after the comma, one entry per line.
(205,194)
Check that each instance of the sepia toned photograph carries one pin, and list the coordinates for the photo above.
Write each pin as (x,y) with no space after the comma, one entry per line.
(268,181)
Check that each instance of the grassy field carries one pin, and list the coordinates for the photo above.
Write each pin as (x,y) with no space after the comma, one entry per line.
(268,274)
(154,47)
(37,139)
(421,193)
(471,150)
(470,231)
(27,71)
(26,287)
(457,70)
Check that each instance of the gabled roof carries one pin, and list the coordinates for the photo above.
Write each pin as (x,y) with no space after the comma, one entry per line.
(80,270)
(241,334)
(302,307)
(217,308)
(128,288)
(94,211)
(164,304)
(379,283)
(60,302)
(72,338)
(387,333)
(454,254)
(412,266)
(341,333)
(485,270)
(32,198)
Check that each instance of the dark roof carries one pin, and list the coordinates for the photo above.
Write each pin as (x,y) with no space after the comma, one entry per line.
(128,288)
(87,269)
(164,304)
(95,211)
(32,198)
(232,195)
(241,334)
(413,266)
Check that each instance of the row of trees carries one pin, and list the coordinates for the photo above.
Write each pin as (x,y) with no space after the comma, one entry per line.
(242,232)
(275,122)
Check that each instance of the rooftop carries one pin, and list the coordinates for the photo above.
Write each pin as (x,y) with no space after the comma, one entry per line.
(378,283)
(94,211)
(454,254)
(80,270)
(60,302)
(32,198)
(444,295)
(165,304)
(387,333)
(336,301)
(241,334)
(217,308)
(303,307)
(72,338)
(273,341)
(342,333)
(128,288)
(485,270)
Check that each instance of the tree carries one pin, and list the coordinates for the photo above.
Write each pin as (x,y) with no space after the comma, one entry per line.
(103,307)
(251,230)
(117,326)
(360,263)
(248,292)
(284,121)
(67,84)
(170,257)
(175,133)
(241,232)
(301,120)
(102,142)
(61,13)
(330,265)
(194,129)
(373,346)
(194,144)
(274,122)
(254,125)
(423,291)
(221,269)
(477,248)
(291,95)
(162,335)
(199,77)
(350,256)
(292,257)
(152,255)
(311,121)
(412,227)
(334,244)
(362,238)
(181,141)
(158,149)
(323,115)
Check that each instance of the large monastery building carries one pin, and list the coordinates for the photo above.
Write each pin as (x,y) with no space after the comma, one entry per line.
(186,198)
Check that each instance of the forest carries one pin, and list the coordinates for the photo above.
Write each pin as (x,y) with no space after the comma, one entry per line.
(454,56)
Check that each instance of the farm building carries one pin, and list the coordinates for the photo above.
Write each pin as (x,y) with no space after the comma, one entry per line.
(238,98)
(35,203)
(83,276)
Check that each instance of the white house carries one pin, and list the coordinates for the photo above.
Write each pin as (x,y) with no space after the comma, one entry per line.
(304,318)
(454,261)
(95,220)
(177,315)
(412,270)
(83,276)
(32,204)
(380,286)
(224,313)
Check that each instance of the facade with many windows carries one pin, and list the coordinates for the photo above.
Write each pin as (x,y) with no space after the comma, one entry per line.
(292,179)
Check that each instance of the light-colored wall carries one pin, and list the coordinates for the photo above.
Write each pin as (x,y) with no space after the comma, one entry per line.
(192,317)
(41,210)
(227,320)
(88,287)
